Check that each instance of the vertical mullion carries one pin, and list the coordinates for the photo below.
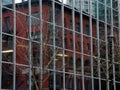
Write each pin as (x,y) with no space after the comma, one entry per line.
(74,58)
(54,50)
(41,45)
(99,75)
(63,40)
(14,42)
(0,45)
(91,42)
(82,59)
(107,64)
(119,20)
(30,53)
(113,63)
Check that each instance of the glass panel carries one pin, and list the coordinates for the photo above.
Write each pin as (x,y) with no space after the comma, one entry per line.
(58,36)
(116,35)
(22,51)
(115,18)
(7,3)
(117,86)
(69,81)
(117,53)
(51,80)
(22,6)
(101,1)
(95,47)
(87,65)
(102,31)
(86,6)
(88,83)
(22,78)
(47,34)
(59,59)
(86,25)
(7,21)
(115,4)
(68,22)
(86,45)
(58,14)
(94,8)
(68,39)
(95,66)
(78,63)
(69,61)
(7,48)
(35,26)
(77,22)
(117,72)
(78,83)
(48,57)
(96,84)
(47,13)
(108,30)
(102,50)
(7,76)
(103,85)
(108,15)
(59,81)
(47,81)
(108,2)
(36,80)
(101,11)
(103,69)
(77,4)
(22,25)
(68,2)
(35,57)
(78,42)
(94,28)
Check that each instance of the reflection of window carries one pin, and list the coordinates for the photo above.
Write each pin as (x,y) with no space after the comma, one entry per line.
(86,6)
(35,35)
(65,23)
(7,76)
(50,29)
(50,14)
(7,56)
(57,11)
(101,11)
(86,63)
(78,63)
(71,24)
(51,81)
(71,62)
(7,22)
(78,83)
(36,60)
(87,27)
(65,42)
(78,27)
(71,41)
(34,19)
(8,40)
(88,46)
(57,42)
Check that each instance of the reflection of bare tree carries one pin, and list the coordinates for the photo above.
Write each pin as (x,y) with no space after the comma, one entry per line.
(108,77)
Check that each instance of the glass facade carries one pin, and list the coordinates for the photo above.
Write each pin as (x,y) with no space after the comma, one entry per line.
(59,45)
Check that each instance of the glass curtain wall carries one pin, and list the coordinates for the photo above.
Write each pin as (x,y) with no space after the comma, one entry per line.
(59,45)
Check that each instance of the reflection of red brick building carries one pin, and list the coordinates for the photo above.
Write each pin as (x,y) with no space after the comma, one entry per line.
(22,47)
